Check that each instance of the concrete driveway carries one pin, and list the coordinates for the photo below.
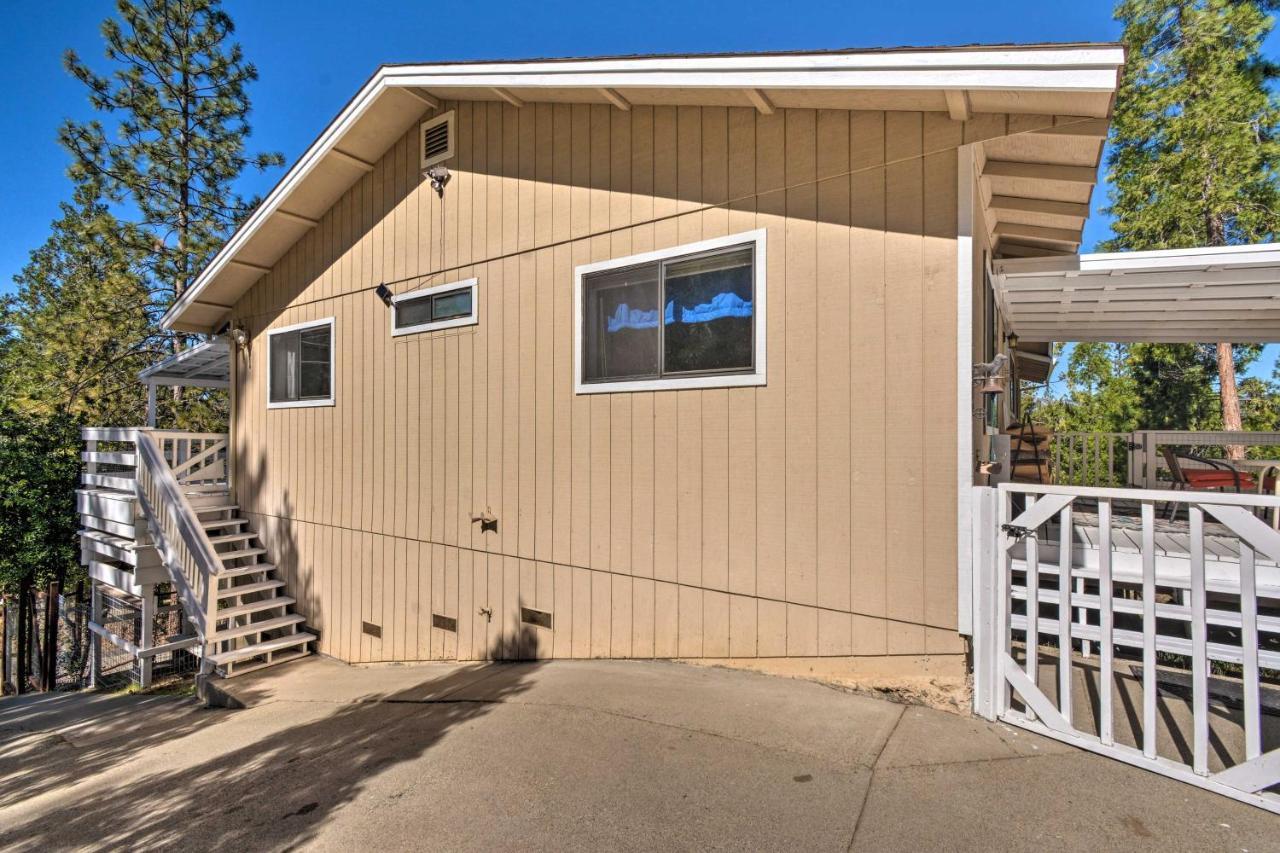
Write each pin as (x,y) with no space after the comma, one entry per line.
(569,755)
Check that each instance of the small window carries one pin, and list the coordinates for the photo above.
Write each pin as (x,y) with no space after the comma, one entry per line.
(436,140)
(446,306)
(301,365)
(688,317)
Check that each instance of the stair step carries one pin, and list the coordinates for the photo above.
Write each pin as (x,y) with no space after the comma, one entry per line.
(246,570)
(235,669)
(278,644)
(246,589)
(255,606)
(231,537)
(201,510)
(272,624)
(223,522)
(236,555)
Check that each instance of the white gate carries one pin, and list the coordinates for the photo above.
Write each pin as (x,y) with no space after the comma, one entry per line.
(1156,625)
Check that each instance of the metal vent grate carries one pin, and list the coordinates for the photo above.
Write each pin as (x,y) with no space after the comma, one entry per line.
(437,140)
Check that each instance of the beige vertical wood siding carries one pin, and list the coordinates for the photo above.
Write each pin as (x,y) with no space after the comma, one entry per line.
(813,516)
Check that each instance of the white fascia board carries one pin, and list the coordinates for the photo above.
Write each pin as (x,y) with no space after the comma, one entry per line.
(1082,69)
(1056,80)
(993,58)
(1199,258)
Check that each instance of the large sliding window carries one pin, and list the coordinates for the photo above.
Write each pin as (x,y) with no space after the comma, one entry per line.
(300,365)
(688,317)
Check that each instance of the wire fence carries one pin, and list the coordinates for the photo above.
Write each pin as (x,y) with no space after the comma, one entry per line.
(118,667)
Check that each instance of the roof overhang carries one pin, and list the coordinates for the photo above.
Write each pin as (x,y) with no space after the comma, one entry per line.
(1230,293)
(1046,80)
(205,365)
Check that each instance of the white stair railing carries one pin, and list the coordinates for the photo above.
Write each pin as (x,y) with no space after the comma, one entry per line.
(185,548)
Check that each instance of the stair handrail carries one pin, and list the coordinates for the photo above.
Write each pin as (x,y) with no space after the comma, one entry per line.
(182,542)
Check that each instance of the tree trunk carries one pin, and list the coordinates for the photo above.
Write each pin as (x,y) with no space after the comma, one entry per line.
(52,613)
(24,634)
(1230,397)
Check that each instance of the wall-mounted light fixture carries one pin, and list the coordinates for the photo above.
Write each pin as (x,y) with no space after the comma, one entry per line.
(384,293)
(438,175)
(1012,338)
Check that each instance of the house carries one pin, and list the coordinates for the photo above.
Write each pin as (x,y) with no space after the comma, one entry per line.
(643,357)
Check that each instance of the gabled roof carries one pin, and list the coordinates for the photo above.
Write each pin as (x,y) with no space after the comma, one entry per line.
(1202,295)
(1063,80)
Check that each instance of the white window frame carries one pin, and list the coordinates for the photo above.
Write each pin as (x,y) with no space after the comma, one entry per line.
(469,320)
(447,118)
(333,375)
(757,239)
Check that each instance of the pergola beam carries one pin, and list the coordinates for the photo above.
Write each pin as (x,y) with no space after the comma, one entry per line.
(1040,172)
(511,99)
(1092,127)
(615,98)
(958,104)
(1038,232)
(422,95)
(352,160)
(1073,209)
(249,266)
(298,218)
(760,101)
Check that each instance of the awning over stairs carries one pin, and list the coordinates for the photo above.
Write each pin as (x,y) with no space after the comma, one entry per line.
(1167,296)
(206,365)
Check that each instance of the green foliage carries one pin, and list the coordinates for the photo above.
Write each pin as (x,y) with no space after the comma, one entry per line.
(177,93)
(1194,150)
(39,456)
(1193,162)
(79,327)
(153,201)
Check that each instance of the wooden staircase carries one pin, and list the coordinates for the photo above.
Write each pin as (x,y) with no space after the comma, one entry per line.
(175,520)
(254,623)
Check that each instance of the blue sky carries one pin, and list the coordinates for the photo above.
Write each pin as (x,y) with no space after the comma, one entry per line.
(313,54)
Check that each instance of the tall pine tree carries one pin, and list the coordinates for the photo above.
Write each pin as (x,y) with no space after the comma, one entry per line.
(176,99)
(1194,148)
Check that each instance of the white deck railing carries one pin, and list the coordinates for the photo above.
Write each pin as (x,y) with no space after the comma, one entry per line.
(1060,568)
(1134,459)
(159,468)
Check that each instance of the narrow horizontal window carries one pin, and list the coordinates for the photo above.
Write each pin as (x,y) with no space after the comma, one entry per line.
(688,317)
(300,365)
(443,307)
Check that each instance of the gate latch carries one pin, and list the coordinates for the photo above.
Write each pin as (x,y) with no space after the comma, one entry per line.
(1018,533)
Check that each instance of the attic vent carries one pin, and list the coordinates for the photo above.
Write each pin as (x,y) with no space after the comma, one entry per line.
(437,140)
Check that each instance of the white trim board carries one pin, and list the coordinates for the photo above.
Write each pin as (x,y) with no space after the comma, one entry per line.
(965,195)
(757,376)
(333,379)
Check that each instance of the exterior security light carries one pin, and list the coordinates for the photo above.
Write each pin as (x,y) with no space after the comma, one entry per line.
(439,176)
(384,293)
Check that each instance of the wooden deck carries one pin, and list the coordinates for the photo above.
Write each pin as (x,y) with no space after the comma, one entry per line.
(1172,541)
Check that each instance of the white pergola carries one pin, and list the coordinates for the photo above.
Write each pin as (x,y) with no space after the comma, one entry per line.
(205,365)
(1230,293)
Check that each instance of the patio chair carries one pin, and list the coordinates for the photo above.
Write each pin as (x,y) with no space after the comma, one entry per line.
(1220,475)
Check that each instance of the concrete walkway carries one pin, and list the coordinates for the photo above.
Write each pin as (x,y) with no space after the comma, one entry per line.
(584,755)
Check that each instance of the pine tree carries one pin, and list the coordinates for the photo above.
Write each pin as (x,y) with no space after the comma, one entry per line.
(81,323)
(1194,147)
(181,109)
